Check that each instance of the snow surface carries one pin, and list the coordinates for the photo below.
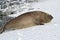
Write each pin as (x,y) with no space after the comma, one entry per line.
(50,31)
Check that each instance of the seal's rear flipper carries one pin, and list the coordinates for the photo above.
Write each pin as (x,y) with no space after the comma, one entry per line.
(1,30)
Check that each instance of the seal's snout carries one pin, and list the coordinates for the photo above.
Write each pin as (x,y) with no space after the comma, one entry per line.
(51,17)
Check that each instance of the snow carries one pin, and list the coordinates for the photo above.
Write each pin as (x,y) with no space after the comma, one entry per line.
(49,31)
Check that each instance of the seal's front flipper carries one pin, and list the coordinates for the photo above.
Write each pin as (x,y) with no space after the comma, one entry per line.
(41,24)
(38,22)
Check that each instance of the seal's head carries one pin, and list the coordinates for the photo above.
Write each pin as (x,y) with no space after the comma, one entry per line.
(49,18)
(46,18)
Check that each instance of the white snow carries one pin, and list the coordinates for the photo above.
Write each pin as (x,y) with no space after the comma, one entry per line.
(49,31)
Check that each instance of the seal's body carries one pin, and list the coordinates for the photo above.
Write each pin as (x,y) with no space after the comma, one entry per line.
(28,19)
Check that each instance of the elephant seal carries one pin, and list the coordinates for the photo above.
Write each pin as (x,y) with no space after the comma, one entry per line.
(28,19)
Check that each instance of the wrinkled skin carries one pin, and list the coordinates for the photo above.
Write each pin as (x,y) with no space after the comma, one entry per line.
(28,19)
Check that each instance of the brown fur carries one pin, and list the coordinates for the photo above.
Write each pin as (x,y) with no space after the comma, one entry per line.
(28,19)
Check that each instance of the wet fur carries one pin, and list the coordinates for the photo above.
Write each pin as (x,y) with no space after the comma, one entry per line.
(28,19)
